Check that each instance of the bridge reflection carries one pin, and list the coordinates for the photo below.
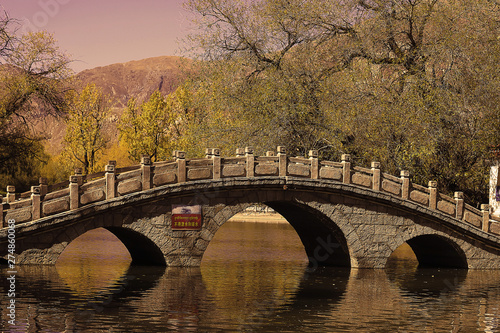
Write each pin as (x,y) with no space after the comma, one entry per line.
(256,296)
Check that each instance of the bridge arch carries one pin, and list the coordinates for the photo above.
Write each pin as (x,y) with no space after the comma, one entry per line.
(143,250)
(437,251)
(140,248)
(323,241)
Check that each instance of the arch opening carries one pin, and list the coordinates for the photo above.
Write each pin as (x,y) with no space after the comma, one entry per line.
(403,258)
(433,251)
(256,234)
(94,246)
(323,240)
(142,250)
(113,244)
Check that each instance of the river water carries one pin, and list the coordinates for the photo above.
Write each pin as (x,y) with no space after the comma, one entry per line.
(253,278)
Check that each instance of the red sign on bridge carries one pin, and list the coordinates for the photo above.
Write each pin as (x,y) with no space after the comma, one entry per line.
(186,217)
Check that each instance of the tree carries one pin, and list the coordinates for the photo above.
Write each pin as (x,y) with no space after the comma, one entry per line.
(149,127)
(254,66)
(410,83)
(7,35)
(33,76)
(85,139)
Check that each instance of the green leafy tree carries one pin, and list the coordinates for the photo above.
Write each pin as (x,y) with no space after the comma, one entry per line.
(85,139)
(149,128)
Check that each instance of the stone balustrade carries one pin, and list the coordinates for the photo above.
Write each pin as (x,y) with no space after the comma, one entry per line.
(46,200)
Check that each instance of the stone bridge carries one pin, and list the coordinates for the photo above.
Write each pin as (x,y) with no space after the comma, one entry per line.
(344,215)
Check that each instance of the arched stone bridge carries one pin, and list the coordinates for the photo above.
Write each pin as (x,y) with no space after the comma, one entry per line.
(344,215)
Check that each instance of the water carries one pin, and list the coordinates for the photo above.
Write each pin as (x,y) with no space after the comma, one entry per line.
(254,278)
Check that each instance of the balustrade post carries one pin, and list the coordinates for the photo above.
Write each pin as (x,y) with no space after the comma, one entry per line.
(146,168)
(35,203)
(346,168)
(376,176)
(270,153)
(485,211)
(433,195)
(110,181)
(240,152)
(181,166)
(2,222)
(282,161)
(44,187)
(216,160)
(209,152)
(250,162)
(11,193)
(459,199)
(405,187)
(74,192)
(79,176)
(313,157)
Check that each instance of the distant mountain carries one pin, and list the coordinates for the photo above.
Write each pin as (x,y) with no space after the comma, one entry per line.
(137,79)
(123,81)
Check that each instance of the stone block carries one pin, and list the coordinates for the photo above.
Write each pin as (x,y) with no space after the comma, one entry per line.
(165,178)
(391,187)
(495,228)
(129,186)
(46,238)
(266,169)
(446,207)
(92,196)
(419,197)
(299,170)
(20,215)
(473,219)
(330,173)
(71,233)
(55,206)
(158,221)
(236,170)
(365,231)
(201,244)
(199,173)
(362,180)
(80,228)
(379,237)
(207,234)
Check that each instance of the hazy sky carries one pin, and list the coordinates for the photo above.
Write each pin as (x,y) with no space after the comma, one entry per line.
(102,32)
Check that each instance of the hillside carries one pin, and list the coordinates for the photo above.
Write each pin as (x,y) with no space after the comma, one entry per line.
(136,78)
(122,81)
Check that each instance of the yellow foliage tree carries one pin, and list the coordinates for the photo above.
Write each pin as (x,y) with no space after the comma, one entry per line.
(149,128)
(85,140)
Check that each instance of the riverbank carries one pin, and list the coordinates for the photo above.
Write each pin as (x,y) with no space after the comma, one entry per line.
(258,217)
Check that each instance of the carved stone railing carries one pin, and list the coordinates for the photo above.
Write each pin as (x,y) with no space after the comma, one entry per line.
(45,200)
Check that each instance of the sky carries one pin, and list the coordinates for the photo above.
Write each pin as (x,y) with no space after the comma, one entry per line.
(102,32)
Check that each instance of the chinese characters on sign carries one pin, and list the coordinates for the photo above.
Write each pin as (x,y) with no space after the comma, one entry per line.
(186,217)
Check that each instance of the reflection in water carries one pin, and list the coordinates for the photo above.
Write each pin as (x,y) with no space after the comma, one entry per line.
(403,259)
(241,287)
